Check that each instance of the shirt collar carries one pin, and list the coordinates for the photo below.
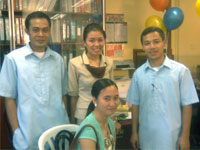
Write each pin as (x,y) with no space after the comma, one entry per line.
(29,51)
(85,58)
(86,61)
(166,63)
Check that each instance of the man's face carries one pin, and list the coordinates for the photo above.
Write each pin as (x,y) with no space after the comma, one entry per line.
(153,46)
(39,32)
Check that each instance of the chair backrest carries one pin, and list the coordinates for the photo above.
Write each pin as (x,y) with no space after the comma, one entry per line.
(49,139)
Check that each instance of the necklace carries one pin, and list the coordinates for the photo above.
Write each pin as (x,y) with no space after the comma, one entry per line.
(109,142)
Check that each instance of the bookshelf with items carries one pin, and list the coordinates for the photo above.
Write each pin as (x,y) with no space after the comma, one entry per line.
(68,19)
(4,31)
(116,31)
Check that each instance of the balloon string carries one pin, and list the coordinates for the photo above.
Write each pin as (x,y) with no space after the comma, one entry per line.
(167,40)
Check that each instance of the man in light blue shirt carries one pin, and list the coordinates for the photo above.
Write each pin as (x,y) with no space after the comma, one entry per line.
(161,93)
(33,80)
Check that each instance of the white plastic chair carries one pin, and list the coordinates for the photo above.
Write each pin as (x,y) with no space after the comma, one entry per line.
(48,137)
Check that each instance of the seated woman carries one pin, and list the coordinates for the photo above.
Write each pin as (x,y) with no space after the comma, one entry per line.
(105,101)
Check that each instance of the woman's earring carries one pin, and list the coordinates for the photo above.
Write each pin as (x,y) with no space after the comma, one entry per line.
(95,105)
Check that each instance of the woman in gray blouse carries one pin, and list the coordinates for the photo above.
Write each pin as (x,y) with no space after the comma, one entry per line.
(85,69)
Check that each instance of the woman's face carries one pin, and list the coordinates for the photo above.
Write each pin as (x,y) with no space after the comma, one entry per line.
(107,101)
(94,43)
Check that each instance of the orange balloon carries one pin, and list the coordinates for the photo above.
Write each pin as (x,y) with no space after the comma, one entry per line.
(159,5)
(155,21)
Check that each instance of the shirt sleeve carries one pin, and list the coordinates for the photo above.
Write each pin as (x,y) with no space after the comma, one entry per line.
(133,91)
(187,88)
(111,72)
(88,133)
(65,79)
(8,78)
(110,66)
(72,79)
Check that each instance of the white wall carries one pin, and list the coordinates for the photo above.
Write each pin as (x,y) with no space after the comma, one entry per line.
(136,12)
(185,39)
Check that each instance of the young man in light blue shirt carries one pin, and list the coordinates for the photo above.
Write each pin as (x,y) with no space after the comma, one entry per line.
(33,81)
(161,93)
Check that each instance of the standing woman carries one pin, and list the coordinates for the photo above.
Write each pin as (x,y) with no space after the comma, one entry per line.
(105,101)
(84,70)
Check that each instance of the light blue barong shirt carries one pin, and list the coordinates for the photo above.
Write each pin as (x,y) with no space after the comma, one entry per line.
(37,85)
(160,95)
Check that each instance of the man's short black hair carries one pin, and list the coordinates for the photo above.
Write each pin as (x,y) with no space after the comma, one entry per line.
(150,30)
(34,15)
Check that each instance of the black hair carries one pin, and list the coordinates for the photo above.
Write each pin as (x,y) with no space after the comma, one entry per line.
(150,30)
(34,15)
(90,108)
(97,87)
(93,27)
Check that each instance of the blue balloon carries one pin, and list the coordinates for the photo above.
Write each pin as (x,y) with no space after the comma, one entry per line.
(173,18)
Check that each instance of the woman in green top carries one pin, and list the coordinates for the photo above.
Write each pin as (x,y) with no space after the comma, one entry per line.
(105,101)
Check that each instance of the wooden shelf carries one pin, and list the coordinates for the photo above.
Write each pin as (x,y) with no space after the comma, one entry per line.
(139,57)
